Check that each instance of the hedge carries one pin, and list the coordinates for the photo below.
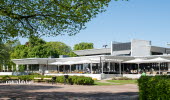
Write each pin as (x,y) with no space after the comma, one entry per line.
(79,80)
(154,87)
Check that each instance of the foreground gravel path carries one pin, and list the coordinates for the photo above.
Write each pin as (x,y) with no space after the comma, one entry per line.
(41,91)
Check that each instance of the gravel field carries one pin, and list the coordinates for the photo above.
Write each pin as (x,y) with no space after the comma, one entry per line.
(39,91)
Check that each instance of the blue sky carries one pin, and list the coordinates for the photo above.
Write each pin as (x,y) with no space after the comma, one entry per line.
(123,21)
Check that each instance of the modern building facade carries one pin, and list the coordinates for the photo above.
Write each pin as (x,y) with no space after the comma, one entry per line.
(103,63)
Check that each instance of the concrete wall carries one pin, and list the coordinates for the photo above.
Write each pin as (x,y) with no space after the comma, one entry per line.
(14,73)
(5,73)
(132,75)
(107,76)
(140,48)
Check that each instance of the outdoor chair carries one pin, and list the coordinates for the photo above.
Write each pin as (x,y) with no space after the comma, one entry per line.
(154,73)
(38,79)
(164,73)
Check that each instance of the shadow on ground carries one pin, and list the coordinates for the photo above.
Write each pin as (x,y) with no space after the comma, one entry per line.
(26,87)
(68,96)
(26,92)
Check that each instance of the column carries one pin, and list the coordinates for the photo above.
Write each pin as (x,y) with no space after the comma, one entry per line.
(168,66)
(58,68)
(76,67)
(91,68)
(120,68)
(70,68)
(17,68)
(12,68)
(159,68)
(102,67)
(27,67)
(114,67)
(138,68)
(109,66)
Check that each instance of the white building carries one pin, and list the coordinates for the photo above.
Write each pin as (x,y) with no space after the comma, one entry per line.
(105,62)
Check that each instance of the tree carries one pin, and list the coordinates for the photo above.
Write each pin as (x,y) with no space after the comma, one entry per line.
(46,17)
(4,53)
(60,48)
(37,47)
(35,41)
(20,51)
(83,45)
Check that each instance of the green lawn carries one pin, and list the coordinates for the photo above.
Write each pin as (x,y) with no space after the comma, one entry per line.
(101,84)
(123,81)
(115,82)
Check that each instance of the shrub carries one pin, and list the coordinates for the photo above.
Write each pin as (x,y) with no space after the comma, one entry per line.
(121,78)
(79,80)
(34,74)
(6,77)
(154,87)
(60,79)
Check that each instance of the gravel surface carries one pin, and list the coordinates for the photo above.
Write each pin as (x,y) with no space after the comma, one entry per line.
(39,91)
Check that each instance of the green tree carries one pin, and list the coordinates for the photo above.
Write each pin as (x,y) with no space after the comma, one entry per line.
(37,47)
(35,41)
(60,48)
(20,51)
(47,17)
(83,45)
(4,53)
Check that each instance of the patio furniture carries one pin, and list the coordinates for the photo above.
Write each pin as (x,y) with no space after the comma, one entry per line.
(164,73)
(37,79)
(47,79)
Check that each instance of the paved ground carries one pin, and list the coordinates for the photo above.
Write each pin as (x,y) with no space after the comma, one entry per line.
(68,92)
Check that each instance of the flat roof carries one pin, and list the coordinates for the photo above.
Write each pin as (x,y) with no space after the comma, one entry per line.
(93,51)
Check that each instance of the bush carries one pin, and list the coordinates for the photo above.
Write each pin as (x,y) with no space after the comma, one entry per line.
(26,77)
(121,78)
(34,74)
(79,80)
(154,87)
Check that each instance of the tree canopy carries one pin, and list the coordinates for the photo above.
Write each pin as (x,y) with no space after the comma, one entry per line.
(46,17)
(83,45)
(37,47)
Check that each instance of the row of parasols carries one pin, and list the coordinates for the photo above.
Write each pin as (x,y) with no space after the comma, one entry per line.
(138,61)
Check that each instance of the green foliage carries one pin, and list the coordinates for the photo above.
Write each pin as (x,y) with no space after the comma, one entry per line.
(36,47)
(154,87)
(72,54)
(60,79)
(79,80)
(47,17)
(22,68)
(20,51)
(96,82)
(26,77)
(121,78)
(34,74)
(123,81)
(4,53)
(83,45)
